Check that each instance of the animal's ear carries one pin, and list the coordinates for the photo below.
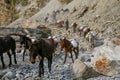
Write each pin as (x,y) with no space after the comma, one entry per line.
(35,42)
(38,39)
(64,38)
(60,39)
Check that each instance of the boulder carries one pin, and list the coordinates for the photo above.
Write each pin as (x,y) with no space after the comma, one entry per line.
(81,70)
(106,60)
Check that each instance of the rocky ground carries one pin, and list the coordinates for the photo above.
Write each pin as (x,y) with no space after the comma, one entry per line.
(28,71)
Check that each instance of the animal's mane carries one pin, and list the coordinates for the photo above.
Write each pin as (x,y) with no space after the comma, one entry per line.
(67,42)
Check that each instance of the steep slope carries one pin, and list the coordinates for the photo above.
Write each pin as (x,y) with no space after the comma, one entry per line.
(51,6)
(103,15)
(36,19)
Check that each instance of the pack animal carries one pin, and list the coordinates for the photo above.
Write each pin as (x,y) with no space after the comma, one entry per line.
(26,41)
(91,37)
(83,29)
(42,48)
(7,43)
(68,48)
(60,23)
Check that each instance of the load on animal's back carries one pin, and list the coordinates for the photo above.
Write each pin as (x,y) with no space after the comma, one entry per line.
(75,45)
(83,29)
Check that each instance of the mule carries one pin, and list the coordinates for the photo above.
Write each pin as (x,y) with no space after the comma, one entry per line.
(74,26)
(26,42)
(42,48)
(68,48)
(91,37)
(83,29)
(7,44)
(60,23)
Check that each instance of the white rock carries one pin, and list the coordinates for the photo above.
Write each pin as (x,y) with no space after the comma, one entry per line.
(106,60)
(79,68)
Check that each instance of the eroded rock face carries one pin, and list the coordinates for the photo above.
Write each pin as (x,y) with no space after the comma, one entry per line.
(106,60)
(24,31)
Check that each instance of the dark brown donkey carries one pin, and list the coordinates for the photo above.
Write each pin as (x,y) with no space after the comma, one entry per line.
(68,48)
(26,42)
(42,48)
(6,44)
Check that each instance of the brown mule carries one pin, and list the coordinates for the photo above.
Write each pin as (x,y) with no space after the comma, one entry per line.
(68,48)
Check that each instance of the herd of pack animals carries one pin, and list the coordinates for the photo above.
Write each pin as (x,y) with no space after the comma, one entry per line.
(44,47)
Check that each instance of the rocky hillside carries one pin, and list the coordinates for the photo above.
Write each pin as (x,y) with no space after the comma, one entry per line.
(102,15)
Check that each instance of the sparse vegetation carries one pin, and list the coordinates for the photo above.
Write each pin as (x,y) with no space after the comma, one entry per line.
(65,1)
(41,3)
(8,12)
(24,2)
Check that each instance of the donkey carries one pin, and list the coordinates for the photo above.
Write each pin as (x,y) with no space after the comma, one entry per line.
(42,48)
(7,43)
(26,41)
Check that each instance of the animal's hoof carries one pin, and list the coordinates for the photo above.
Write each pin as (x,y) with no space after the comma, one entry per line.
(15,62)
(38,78)
(39,75)
(50,71)
(23,60)
(10,64)
(3,66)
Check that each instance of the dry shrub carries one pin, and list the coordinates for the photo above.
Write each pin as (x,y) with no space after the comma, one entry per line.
(41,3)
(24,2)
(65,1)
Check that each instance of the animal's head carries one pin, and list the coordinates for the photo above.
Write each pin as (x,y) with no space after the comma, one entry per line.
(33,52)
(62,43)
(26,41)
(22,39)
